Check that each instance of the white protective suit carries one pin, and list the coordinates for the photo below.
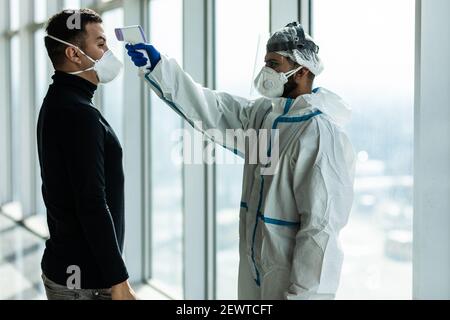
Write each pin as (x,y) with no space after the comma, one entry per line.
(289,222)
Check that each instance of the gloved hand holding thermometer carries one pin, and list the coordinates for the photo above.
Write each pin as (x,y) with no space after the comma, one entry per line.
(142,54)
(139,59)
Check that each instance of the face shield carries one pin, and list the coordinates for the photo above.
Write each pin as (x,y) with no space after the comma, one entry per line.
(260,63)
(291,42)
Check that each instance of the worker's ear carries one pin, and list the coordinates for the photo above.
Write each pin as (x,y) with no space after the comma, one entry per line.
(302,74)
(73,54)
(299,75)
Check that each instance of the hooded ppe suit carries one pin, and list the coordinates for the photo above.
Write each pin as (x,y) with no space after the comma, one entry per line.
(289,221)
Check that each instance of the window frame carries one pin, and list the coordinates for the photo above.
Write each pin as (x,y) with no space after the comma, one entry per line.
(199,203)
(431,250)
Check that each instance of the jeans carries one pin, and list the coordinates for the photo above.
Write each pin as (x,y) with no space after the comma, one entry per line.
(55,291)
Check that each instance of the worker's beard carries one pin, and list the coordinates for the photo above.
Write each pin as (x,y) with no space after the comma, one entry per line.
(289,87)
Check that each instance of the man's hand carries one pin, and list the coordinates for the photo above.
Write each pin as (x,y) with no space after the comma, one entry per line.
(139,59)
(123,291)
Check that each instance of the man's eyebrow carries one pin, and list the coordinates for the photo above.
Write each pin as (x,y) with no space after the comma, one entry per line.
(101,38)
(272,60)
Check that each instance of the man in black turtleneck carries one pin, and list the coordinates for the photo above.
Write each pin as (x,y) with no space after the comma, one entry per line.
(81,168)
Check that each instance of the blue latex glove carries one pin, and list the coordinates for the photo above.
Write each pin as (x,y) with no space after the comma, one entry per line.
(139,59)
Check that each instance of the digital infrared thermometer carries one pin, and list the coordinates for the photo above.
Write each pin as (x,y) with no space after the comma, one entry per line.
(134,35)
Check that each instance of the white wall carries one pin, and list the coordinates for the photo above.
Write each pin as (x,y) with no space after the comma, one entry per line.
(432,152)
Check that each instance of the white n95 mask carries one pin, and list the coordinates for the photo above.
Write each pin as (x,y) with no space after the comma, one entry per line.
(270,83)
(108,67)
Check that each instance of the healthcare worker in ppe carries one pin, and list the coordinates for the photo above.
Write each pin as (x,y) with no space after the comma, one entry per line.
(289,221)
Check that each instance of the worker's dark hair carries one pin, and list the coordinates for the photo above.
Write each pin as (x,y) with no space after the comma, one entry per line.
(70,26)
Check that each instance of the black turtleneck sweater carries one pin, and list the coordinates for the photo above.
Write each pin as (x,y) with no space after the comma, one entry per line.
(83,187)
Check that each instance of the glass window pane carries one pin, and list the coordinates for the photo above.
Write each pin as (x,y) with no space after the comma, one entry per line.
(14,14)
(72,4)
(40,10)
(112,94)
(166,178)
(41,86)
(234,73)
(15,117)
(368,49)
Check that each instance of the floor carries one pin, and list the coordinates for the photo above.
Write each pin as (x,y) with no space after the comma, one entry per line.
(20,257)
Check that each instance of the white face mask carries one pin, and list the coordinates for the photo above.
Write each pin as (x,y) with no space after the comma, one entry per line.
(107,68)
(270,83)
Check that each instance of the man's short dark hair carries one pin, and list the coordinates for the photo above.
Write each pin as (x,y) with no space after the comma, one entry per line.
(62,26)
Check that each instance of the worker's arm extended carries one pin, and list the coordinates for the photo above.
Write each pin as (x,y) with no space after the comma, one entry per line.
(205,109)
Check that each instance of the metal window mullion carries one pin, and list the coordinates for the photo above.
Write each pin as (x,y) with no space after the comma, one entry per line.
(5,129)
(134,157)
(148,154)
(33,113)
(8,103)
(211,170)
(145,146)
(52,7)
(27,168)
(196,267)
(107,6)
(283,12)
(305,15)
(431,239)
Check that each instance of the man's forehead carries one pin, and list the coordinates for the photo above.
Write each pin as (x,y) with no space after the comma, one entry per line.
(274,56)
(95,31)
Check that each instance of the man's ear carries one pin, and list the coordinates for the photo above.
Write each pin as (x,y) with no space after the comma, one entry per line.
(73,54)
(299,75)
(304,72)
